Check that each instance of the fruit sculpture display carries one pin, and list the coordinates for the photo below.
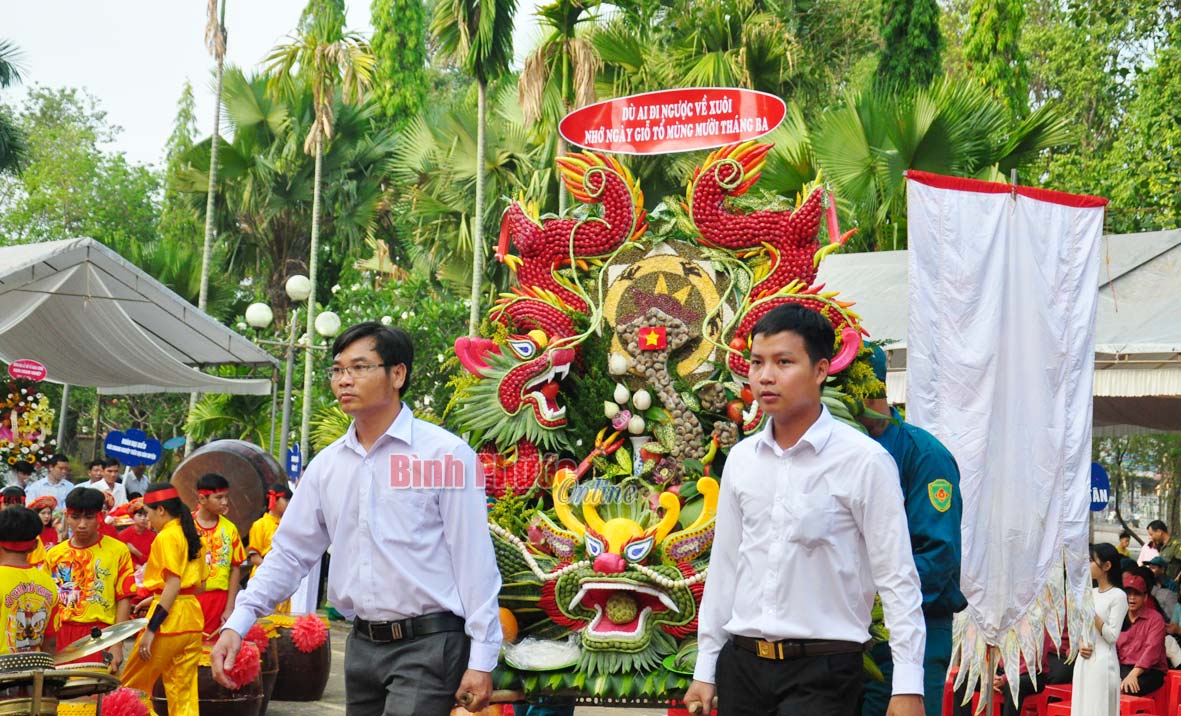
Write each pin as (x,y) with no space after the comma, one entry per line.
(603,394)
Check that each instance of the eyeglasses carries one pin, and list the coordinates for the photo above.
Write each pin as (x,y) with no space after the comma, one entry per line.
(337,372)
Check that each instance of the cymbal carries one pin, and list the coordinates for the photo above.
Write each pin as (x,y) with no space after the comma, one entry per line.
(106,638)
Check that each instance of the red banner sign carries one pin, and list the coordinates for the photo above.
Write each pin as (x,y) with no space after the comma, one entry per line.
(679,120)
(25,369)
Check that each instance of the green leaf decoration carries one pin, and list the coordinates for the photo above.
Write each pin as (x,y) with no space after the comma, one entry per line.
(657,414)
(624,458)
(691,401)
(666,435)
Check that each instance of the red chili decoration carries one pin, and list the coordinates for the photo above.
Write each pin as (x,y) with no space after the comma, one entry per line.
(123,702)
(308,633)
(246,665)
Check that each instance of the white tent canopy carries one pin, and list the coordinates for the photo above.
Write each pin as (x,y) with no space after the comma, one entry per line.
(94,319)
(1137,333)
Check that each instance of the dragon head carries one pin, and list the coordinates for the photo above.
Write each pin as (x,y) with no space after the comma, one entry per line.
(638,589)
(517,396)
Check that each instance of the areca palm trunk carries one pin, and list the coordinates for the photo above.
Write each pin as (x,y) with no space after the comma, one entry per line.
(473,322)
(309,352)
(210,199)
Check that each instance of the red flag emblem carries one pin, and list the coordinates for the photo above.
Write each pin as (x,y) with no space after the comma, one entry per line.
(653,338)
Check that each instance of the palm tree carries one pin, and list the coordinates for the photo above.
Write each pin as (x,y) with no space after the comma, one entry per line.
(478,36)
(328,58)
(13,149)
(215,40)
(952,127)
(567,58)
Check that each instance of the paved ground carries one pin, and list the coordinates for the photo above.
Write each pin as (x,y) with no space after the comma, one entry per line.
(333,701)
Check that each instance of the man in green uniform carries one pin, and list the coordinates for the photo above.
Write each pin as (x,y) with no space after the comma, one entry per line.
(934,505)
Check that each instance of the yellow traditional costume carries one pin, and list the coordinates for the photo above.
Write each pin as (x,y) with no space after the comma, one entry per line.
(27,599)
(176,649)
(261,533)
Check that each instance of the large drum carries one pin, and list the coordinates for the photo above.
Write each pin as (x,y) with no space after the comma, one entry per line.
(213,698)
(250,470)
(302,676)
(268,673)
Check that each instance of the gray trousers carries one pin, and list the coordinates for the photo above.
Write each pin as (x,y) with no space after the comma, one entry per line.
(418,677)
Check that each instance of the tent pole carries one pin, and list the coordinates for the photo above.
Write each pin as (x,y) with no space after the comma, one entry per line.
(61,424)
(98,411)
(274,398)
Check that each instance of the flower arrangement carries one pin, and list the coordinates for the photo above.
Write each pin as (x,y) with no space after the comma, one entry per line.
(26,424)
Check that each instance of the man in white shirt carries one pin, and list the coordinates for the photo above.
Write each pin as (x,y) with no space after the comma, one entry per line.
(135,479)
(56,483)
(786,610)
(110,482)
(402,505)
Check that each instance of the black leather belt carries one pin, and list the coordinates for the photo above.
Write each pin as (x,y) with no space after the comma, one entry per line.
(405,629)
(796,648)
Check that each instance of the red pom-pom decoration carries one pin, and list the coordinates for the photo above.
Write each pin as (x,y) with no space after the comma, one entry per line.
(123,702)
(308,633)
(258,637)
(246,665)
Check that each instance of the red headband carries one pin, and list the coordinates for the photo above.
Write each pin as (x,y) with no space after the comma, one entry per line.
(157,496)
(218,491)
(273,497)
(25,546)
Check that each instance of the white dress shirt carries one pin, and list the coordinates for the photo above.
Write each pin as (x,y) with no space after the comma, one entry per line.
(790,557)
(44,487)
(117,491)
(397,552)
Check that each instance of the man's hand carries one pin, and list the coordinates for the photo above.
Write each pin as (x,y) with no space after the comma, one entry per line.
(998,683)
(222,657)
(142,607)
(475,688)
(699,699)
(116,658)
(225,616)
(906,705)
(1085,651)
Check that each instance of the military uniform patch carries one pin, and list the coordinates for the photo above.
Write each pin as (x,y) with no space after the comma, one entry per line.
(940,493)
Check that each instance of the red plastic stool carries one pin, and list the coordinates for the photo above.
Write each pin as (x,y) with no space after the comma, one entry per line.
(1060,692)
(1136,705)
(1171,691)
(1061,708)
(996,704)
(1036,705)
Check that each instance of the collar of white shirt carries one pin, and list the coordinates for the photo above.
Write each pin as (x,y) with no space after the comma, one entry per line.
(402,428)
(816,436)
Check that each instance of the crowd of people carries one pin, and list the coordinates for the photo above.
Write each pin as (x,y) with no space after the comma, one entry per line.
(74,557)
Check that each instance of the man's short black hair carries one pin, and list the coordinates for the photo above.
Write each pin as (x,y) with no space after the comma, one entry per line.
(57,458)
(392,344)
(133,495)
(1125,535)
(815,330)
(86,499)
(212,481)
(1159,526)
(19,524)
(282,490)
(93,464)
(13,495)
(23,467)
(111,462)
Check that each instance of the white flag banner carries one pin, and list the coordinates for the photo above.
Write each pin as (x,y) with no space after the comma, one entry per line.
(1000,364)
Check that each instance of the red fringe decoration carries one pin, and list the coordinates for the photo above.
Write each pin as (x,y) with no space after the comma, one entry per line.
(246,665)
(258,636)
(123,702)
(549,604)
(308,633)
(690,628)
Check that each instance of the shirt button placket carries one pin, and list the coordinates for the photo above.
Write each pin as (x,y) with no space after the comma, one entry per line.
(368,489)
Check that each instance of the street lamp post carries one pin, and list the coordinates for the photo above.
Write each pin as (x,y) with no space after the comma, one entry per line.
(298,288)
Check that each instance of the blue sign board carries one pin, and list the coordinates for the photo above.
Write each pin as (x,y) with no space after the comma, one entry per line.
(294,462)
(1100,488)
(133,447)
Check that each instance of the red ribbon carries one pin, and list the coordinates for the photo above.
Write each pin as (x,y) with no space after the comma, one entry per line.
(26,546)
(207,493)
(157,496)
(273,497)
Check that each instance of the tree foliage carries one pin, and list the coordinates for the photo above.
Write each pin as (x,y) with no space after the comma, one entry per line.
(912,45)
(993,54)
(399,44)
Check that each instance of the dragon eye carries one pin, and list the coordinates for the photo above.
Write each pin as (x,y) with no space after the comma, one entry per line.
(636,551)
(523,348)
(594,547)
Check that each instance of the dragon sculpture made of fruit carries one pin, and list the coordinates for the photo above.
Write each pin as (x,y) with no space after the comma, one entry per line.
(606,389)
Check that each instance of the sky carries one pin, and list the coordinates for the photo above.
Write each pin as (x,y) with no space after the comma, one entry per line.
(135,55)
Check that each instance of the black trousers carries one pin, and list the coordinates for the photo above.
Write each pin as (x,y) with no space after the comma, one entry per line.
(417,677)
(811,686)
(1150,680)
